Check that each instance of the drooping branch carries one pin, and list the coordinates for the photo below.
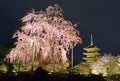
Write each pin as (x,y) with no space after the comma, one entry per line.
(42,29)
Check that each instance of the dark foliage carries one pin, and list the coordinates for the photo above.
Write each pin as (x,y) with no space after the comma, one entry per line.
(41,75)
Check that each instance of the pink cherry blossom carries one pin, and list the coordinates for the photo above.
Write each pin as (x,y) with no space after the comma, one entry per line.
(48,33)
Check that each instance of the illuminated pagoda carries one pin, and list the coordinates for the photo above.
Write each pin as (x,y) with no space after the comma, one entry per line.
(91,52)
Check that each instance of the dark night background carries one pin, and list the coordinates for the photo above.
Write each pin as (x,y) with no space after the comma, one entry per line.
(98,17)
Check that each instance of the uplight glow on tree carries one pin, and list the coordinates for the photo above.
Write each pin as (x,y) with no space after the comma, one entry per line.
(45,35)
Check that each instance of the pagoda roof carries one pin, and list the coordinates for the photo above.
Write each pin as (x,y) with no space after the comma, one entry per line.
(91,47)
(91,54)
(90,59)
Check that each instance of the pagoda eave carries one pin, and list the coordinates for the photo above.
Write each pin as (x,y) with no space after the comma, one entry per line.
(91,54)
(90,59)
(91,49)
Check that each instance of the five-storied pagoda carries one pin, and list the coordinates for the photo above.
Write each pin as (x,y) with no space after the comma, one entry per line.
(91,52)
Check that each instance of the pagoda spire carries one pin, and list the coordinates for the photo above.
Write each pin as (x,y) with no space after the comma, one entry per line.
(91,42)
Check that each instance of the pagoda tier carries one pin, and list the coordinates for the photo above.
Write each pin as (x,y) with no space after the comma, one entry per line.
(91,48)
(91,52)
(92,59)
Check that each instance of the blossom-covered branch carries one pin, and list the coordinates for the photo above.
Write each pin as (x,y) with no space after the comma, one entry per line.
(51,35)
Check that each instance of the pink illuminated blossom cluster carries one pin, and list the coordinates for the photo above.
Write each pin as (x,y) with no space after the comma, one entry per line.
(48,33)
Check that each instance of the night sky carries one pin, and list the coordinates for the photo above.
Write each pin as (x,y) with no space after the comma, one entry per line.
(98,17)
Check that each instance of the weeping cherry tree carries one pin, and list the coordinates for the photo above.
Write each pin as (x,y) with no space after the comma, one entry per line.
(45,36)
